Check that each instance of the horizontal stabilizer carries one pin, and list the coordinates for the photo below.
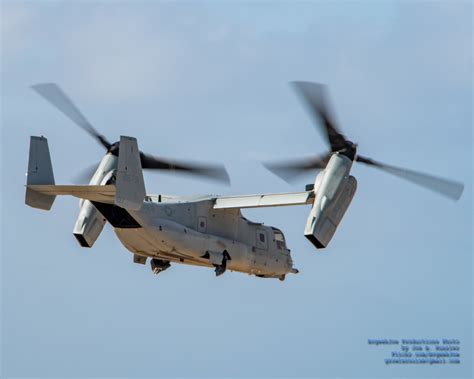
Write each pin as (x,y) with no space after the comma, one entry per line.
(264,200)
(102,194)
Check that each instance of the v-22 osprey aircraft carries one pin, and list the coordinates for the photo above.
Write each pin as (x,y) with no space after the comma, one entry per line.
(207,231)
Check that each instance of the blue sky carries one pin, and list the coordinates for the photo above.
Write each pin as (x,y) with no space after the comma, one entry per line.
(209,81)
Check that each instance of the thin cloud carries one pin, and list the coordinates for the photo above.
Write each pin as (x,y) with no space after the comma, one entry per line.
(118,57)
(15,21)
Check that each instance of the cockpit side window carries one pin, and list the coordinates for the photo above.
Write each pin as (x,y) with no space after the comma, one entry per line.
(280,240)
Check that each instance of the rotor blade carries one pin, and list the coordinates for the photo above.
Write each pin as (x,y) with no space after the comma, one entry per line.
(54,94)
(315,99)
(215,172)
(445,187)
(291,170)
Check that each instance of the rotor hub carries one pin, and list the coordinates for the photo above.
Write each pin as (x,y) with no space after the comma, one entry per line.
(349,150)
(114,148)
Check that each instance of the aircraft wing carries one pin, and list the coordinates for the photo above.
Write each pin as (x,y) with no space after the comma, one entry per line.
(103,194)
(264,200)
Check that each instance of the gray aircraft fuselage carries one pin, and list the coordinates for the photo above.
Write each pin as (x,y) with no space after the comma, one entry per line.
(187,231)
(195,233)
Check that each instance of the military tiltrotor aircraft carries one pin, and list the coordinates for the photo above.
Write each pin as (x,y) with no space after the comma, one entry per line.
(207,231)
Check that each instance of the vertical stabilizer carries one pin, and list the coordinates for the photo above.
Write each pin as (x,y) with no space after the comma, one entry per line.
(40,171)
(130,186)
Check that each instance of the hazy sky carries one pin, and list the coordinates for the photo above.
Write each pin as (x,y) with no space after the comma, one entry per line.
(209,81)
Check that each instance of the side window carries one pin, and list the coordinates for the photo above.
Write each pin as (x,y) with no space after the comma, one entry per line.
(261,239)
(202,224)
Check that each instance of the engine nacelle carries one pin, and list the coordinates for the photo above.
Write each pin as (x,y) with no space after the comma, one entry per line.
(335,189)
(89,224)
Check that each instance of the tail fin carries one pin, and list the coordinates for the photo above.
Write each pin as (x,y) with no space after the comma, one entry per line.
(40,171)
(130,187)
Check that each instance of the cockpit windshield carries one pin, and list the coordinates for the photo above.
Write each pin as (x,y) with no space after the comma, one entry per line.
(279,239)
